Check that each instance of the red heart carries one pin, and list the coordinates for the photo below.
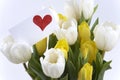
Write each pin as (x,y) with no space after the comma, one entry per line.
(42,23)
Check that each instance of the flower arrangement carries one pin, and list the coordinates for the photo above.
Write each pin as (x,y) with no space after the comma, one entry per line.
(75,51)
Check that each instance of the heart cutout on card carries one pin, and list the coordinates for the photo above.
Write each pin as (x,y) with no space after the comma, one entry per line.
(42,23)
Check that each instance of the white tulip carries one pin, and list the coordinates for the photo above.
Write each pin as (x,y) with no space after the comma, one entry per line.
(16,52)
(86,7)
(68,31)
(72,9)
(106,35)
(5,46)
(53,64)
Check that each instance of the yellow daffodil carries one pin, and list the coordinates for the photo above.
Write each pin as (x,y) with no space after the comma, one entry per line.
(84,32)
(41,46)
(86,72)
(63,45)
(89,49)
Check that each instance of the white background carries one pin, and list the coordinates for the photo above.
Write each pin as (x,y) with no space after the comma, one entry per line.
(14,11)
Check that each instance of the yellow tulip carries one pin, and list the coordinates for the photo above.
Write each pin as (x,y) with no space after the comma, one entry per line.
(84,32)
(89,49)
(41,46)
(63,45)
(86,72)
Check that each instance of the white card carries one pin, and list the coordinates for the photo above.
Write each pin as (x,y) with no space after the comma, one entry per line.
(36,27)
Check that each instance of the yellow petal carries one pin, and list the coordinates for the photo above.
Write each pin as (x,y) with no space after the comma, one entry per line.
(89,49)
(84,32)
(86,72)
(41,46)
(63,45)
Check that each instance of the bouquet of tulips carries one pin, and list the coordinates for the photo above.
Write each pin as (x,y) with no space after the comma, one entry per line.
(75,51)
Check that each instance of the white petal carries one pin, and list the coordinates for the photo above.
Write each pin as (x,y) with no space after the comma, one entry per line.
(20,52)
(72,10)
(69,29)
(87,8)
(106,35)
(54,63)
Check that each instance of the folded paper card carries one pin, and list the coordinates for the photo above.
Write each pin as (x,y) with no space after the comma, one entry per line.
(36,27)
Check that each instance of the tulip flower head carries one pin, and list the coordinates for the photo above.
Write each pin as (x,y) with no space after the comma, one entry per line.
(16,51)
(86,72)
(68,31)
(53,64)
(75,9)
(106,35)
(84,32)
(63,45)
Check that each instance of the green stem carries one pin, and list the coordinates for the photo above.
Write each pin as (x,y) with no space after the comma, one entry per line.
(24,64)
(54,79)
(102,53)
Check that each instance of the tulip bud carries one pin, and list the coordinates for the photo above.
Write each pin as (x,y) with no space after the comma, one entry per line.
(106,35)
(89,50)
(84,32)
(53,64)
(72,9)
(41,46)
(63,45)
(86,7)
(86,72)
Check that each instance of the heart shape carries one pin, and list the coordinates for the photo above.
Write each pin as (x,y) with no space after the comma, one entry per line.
(42,23)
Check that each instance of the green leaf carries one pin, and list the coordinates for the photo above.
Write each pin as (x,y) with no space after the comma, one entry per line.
(52,41)
(99,60)
(72,74)
(93,27)
(95,8)
(75,51)
(34,66)
(81,19)
(89,20)
(99,67)
(65,78)
(38,78)
(70,55)
(31,73)
(105,67)
(80,62)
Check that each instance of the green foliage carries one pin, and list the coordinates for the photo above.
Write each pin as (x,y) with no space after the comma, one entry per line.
(100,67)
(34,67)
(89,20)
(93,27)
(52,41)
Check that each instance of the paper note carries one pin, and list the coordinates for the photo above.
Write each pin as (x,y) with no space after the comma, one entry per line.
(36,27)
